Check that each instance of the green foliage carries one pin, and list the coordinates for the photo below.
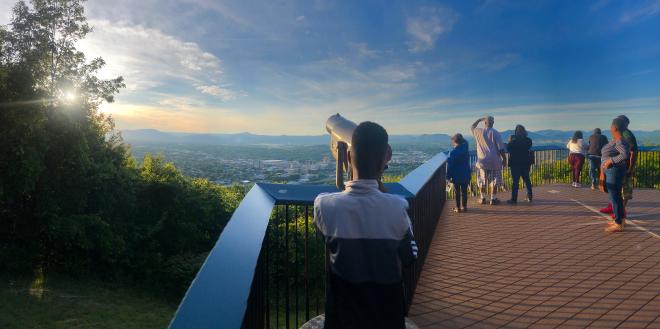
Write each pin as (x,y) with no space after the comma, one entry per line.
(295,260)
(60,302)
(392,178)
(72,199)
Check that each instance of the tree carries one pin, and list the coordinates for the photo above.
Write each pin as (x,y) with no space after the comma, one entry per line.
(72,198)
(55,155)
(44,37)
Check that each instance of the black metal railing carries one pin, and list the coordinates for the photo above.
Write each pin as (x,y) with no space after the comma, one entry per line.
(289,283)
(424,212)
(551,167)
(270,271)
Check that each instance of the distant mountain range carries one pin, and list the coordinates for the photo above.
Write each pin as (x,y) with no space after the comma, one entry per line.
(153,136)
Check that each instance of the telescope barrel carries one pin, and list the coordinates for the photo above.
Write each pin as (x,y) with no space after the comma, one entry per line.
(340,128)
(341,135)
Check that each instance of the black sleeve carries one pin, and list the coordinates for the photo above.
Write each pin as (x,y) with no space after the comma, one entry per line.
(408,249)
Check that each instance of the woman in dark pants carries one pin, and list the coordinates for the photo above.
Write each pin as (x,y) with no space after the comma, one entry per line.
(520,162)
(614,157)
(596,142)
(458,171)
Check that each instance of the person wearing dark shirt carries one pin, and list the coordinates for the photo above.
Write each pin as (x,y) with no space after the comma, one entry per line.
(369,239)
(627,185)
(615,157)
(458,171)
(519,147)
(596,142)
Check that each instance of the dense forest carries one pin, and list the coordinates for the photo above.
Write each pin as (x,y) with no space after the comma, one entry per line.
(72,198)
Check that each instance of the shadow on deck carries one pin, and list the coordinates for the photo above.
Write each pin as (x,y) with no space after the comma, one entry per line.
(543,265)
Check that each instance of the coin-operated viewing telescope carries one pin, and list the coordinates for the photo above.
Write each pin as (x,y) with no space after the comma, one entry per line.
(341,132)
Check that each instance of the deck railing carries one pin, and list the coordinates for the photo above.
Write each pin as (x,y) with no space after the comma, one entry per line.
(551,167)
(268,268)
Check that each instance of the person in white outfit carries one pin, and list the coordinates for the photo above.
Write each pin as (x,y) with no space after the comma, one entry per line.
(577,151)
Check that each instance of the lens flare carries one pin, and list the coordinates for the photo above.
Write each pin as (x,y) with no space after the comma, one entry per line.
(69,96)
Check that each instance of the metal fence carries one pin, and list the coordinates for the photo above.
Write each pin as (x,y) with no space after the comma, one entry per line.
(268,269)
(551,167)
(289,281)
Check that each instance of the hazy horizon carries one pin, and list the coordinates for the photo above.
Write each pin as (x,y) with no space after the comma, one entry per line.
(322,134)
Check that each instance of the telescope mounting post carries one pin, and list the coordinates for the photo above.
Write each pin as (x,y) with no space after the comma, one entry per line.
(342,165)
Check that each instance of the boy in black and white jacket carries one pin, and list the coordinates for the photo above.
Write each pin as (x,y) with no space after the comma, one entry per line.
(369,238)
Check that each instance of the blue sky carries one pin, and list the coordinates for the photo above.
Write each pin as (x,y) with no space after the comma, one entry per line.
(282,67)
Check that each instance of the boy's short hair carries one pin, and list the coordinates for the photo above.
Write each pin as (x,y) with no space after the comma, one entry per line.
(369,146)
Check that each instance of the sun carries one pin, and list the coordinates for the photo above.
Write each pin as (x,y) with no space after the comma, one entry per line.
(70,96)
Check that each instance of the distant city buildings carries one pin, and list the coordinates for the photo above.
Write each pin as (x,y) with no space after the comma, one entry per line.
(315,167)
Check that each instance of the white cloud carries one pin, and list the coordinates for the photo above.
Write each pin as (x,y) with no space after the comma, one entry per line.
(449,115)
(363,50)
(425,27)
(268,20)
(179,115)
(394,73)
(220,92)
(649,8)
(331,79)
(499,62)
(179,102)
(148,58)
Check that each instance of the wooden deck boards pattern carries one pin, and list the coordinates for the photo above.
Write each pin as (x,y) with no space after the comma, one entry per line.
(543,265)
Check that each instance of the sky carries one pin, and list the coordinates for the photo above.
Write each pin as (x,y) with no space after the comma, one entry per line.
(285,66)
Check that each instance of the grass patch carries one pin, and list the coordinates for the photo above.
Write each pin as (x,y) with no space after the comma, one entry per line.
(60,302)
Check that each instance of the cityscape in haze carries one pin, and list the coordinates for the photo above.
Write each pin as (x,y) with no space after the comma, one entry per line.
(244,158)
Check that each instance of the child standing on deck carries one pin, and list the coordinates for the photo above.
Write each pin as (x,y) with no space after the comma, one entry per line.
(458,171)
(369,240)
